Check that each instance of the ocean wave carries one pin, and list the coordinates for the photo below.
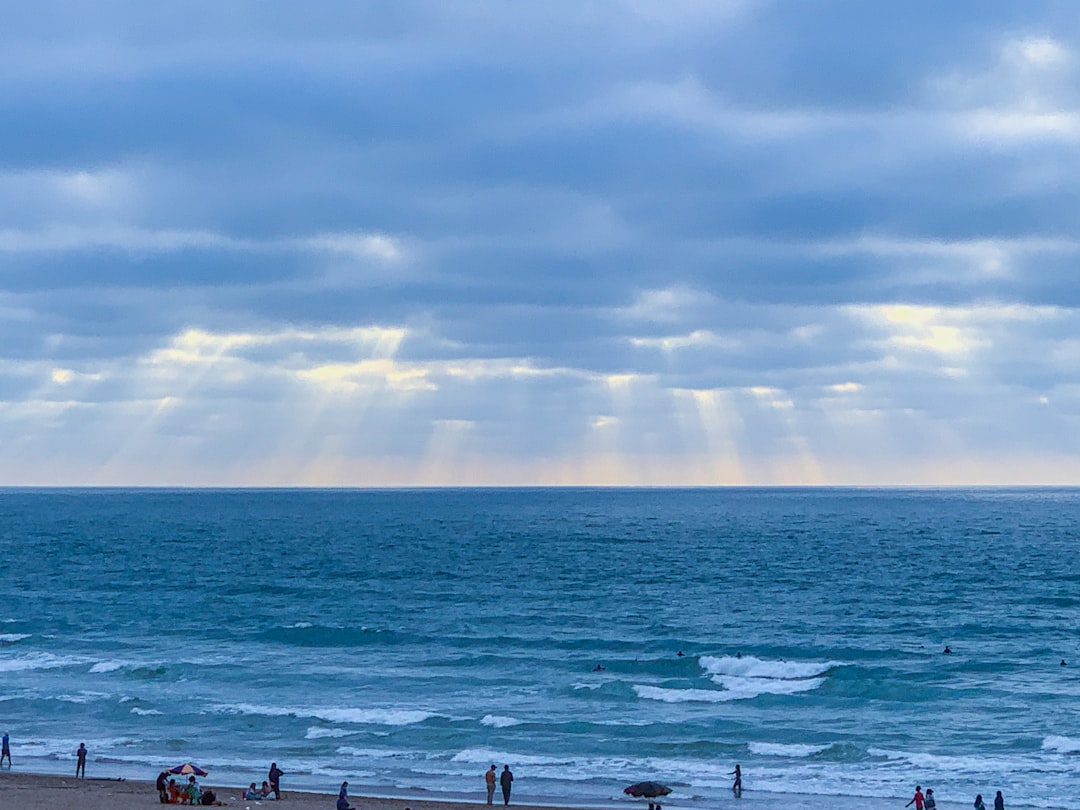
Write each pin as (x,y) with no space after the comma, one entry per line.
(787,749)
(137,710)
(748,666)
(319,733)
(482,755)
(1061,745)
(107,666)
(746,688)
(39,660)
(495,721)
(377,717)
(683,695)
(12,638)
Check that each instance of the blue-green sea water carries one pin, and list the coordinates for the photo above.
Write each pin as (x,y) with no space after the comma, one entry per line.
(405,640)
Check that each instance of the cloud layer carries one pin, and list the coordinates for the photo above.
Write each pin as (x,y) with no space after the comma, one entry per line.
(638,242)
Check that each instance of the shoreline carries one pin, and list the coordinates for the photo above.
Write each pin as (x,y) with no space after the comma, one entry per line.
(37,791)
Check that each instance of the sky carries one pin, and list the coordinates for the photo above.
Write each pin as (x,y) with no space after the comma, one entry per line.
(634,242)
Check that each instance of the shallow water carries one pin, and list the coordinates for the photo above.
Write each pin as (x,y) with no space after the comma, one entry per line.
(408,639)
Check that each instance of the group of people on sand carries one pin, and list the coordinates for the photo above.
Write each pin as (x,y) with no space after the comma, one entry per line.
(271,785)
(928,802)
(189,793)
(192,793)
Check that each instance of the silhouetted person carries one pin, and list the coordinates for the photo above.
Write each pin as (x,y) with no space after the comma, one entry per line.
(162,785)
(979,803)
(5,749)
(947,650)
(80,761)
(736,785)
(506,779)
(274,777)
(999,802)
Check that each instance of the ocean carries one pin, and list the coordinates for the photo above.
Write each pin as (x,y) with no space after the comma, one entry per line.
(405,640)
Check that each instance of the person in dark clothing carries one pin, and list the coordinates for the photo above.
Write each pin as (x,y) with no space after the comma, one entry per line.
(999,801)
(736,785)
(80,761)
(274,777)
(162,785)
(5,750)
(506,778)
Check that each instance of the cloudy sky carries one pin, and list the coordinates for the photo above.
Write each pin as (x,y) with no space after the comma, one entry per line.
(563,242)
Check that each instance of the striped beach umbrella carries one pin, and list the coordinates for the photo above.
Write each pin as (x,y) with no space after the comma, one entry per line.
(188,769)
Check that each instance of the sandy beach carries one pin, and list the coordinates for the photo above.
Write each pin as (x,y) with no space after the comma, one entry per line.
(23,791)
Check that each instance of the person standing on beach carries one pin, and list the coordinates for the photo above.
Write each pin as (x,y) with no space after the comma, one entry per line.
(80,761)
(274,778)
(999,801)
(506,779)
(979,803)
(5,751)
(930,803)
(917,799)
(489,779)
(162,785)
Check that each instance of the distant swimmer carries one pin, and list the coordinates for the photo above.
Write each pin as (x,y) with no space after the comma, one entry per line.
(597,668)
(738,655)
(679,653)
(1063,663)
(947,650)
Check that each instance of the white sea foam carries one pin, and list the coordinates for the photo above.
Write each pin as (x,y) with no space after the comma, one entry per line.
(683,695)
(107,666)
(299,626)
(11,638)
(786,749)
(319,733)
(481,755)
(38,660)
(378,717)
(745,688)
(495,721)
(137,710)
(373,753)
(748,666)
(1062,745)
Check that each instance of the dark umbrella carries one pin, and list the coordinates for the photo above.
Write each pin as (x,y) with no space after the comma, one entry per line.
(187,769)
(650,790)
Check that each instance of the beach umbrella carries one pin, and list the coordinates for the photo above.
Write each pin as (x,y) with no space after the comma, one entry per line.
(188,769)
(650,790)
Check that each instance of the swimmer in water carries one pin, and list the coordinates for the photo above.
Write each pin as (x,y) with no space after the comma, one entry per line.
(598,668)
(947,651)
